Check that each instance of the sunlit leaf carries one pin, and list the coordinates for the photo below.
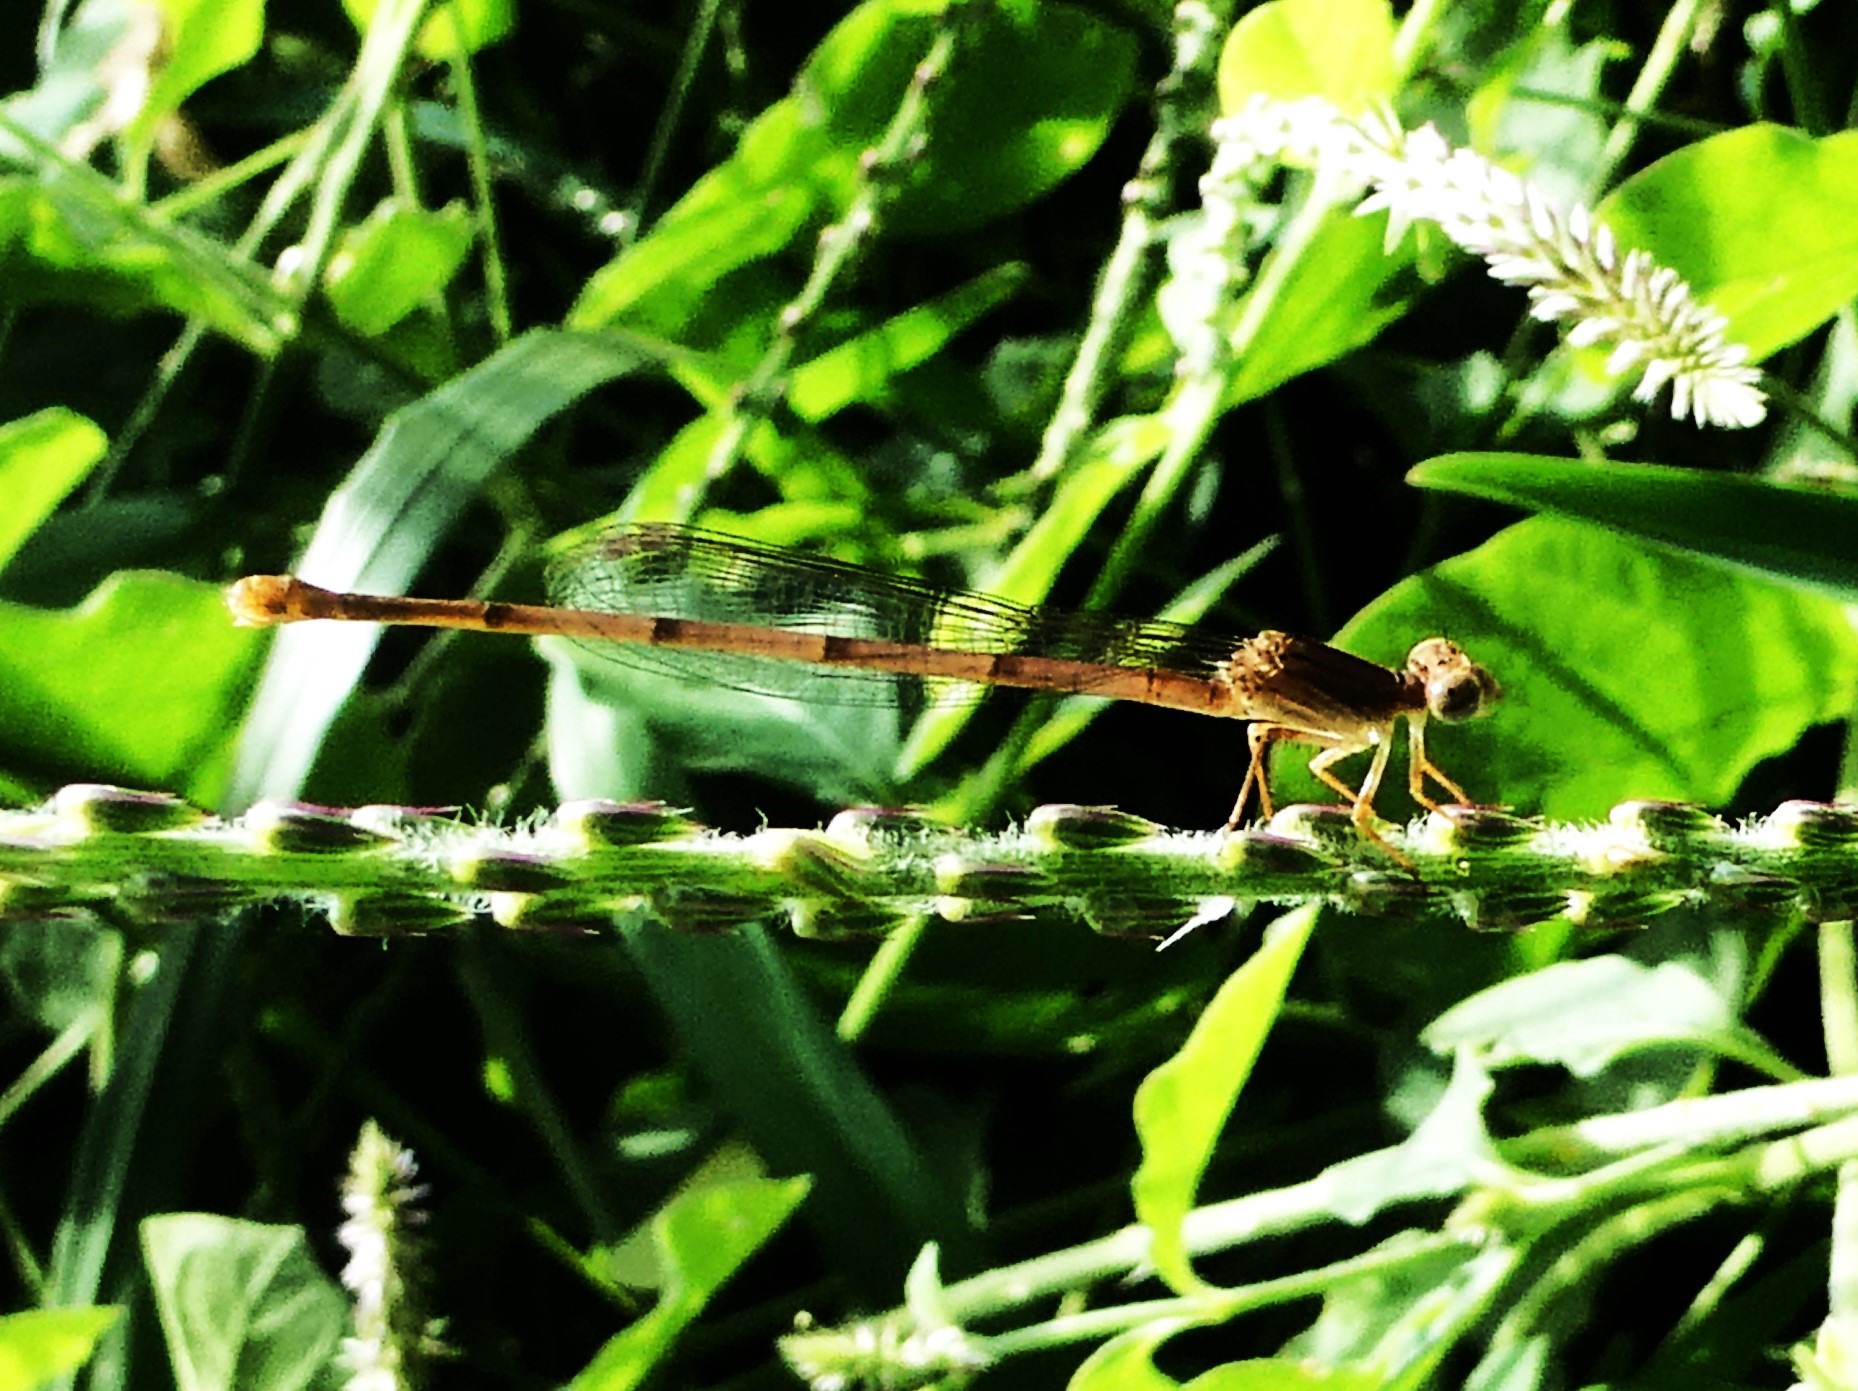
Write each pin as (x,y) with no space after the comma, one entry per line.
(1030,100)
(858,369)
(1127,1361)
(204,38)
(37,1345)
(477,23)
(703,1237)
(1791,534)
(42,458)
(1402,1322)
(1340,290)
(1584,1014)
(1448,1152)
(656,282)
(399,258)
(72,238)
(1285,1374)
(1340,50)
(1182,1106)
(1628,671)
(244,1306)
(1761,221)
(140,684)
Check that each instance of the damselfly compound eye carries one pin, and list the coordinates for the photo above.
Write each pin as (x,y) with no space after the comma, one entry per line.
(1456,687)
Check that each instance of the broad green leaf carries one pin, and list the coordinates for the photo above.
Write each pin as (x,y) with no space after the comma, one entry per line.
(96,40)
(860,368)
(1519,1364)
(140,684)
(467,25)
(637,1259)
(1447,1152)
(204,39)
(704,1237)
(1285,1374)
(67,236)
(1029,101)
(398,259)
(244,1306)
(1339,291)
(675,477)
(1798,536)
(1127,1361)
(1629,672)
(1584,1014)
(1761,221)
(814,477)
(42,458)
(1340,50)
(57,973)
(37,1345)
(478,23)
(1181,1106)
(656,284)
(428,462)
(1541,103)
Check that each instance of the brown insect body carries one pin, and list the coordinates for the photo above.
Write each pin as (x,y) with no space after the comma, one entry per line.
(762,618)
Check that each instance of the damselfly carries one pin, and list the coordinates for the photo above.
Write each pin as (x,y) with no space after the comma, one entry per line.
(761,618)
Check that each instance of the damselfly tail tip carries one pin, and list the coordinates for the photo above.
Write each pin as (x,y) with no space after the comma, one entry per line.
(263,601)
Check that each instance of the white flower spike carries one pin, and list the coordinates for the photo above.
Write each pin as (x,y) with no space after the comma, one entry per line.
(1568,263)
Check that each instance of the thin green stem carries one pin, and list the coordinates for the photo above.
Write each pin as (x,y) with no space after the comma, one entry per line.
(377,72)
(496,278)
(184,201)
(52,1059)
(507,1039)
(1596,1249)
(1809,107)
(696,39)
(397,141)
(1217,1306)
(878,978)
(327,155)
(1304,545)
(839,244)
(1666,52)
(1415,29)
(1116,303)
(155,856)
(1838,996)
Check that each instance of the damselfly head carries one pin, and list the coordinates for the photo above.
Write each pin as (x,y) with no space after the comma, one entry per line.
(1456,687)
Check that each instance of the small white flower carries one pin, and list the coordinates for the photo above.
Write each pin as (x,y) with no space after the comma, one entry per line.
(1571,268)
(378,1194)
(1569,264)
